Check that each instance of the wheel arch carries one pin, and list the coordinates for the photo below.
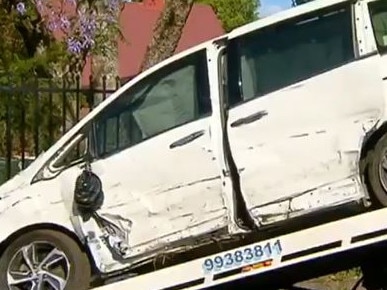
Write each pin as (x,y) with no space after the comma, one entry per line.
(370,141)
(48,226)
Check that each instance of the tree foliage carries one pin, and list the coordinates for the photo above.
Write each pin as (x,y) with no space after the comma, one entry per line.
(234,13)
(55,36)
(43,40)
(22,39)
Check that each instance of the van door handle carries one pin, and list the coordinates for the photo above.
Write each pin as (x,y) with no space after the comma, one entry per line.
(249,119)
(187,139)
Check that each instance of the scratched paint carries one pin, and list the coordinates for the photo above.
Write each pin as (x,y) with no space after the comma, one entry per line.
(323,197)
(314,142)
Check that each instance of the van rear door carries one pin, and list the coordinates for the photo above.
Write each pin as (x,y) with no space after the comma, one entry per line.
(378,19)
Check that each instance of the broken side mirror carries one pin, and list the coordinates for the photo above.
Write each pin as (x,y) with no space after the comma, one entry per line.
(88,193)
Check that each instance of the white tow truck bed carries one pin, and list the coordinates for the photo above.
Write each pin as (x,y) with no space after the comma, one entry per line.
(269,255)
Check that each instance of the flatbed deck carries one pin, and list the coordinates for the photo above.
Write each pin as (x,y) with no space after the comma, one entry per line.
(267,256)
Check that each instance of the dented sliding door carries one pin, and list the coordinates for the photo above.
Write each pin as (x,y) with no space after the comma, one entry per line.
(299,111)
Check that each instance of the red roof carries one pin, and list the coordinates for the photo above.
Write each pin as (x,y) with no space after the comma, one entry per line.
(137,23)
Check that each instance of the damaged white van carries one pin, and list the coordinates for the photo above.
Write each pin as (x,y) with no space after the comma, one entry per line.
(282,118)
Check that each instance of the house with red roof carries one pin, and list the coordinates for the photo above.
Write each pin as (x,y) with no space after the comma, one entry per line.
(137,22)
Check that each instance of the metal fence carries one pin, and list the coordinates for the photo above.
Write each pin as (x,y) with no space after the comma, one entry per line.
(34,113)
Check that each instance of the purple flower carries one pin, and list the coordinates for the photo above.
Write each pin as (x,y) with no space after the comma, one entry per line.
(21,8)
(71,2)
(39,6)
(111,19)
(54,21)
(113,6)
(88,25)
(74,46)
(87,43)
(53,24)
(64,22)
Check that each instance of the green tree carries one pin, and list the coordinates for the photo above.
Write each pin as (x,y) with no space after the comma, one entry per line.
(30,55)
(234,13)
(23,36)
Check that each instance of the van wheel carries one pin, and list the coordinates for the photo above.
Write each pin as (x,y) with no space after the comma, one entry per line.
(44,259)
(377,172)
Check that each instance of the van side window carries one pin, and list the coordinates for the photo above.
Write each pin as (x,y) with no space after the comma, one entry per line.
(170,97)
(283,54)
(378,11)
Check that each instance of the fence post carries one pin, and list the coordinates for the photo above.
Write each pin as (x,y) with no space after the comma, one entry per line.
(104,88)
(118,82)
(8,137)
(51,112)
(77,100)
(90,97)
(36,116)
(22,129)
(63,106)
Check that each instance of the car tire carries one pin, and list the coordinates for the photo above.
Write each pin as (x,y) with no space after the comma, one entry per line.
(48,253)
(377,172)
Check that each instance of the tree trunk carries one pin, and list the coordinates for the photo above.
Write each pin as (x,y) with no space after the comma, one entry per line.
(104,66)
(167,32)
(104,72)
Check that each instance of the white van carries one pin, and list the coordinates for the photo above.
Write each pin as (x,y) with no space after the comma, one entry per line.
(278,119)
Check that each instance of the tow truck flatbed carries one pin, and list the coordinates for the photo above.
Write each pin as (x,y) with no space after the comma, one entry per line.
(269,255)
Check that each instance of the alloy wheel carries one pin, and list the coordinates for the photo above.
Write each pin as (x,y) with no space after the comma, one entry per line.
(38,266)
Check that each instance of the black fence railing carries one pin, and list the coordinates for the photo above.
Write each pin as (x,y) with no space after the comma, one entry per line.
(34,113)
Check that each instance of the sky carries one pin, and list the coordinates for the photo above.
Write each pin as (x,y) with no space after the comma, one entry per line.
(272,6)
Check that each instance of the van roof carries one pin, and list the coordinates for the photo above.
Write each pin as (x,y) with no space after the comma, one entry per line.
(284,15)
(260,23)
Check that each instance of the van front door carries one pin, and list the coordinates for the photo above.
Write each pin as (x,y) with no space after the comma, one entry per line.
(155,157)
(157,161)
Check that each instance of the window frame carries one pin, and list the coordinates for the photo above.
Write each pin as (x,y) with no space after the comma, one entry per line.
(49,171)
(73,144)
(197,58)
(233,52)
(381,49)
